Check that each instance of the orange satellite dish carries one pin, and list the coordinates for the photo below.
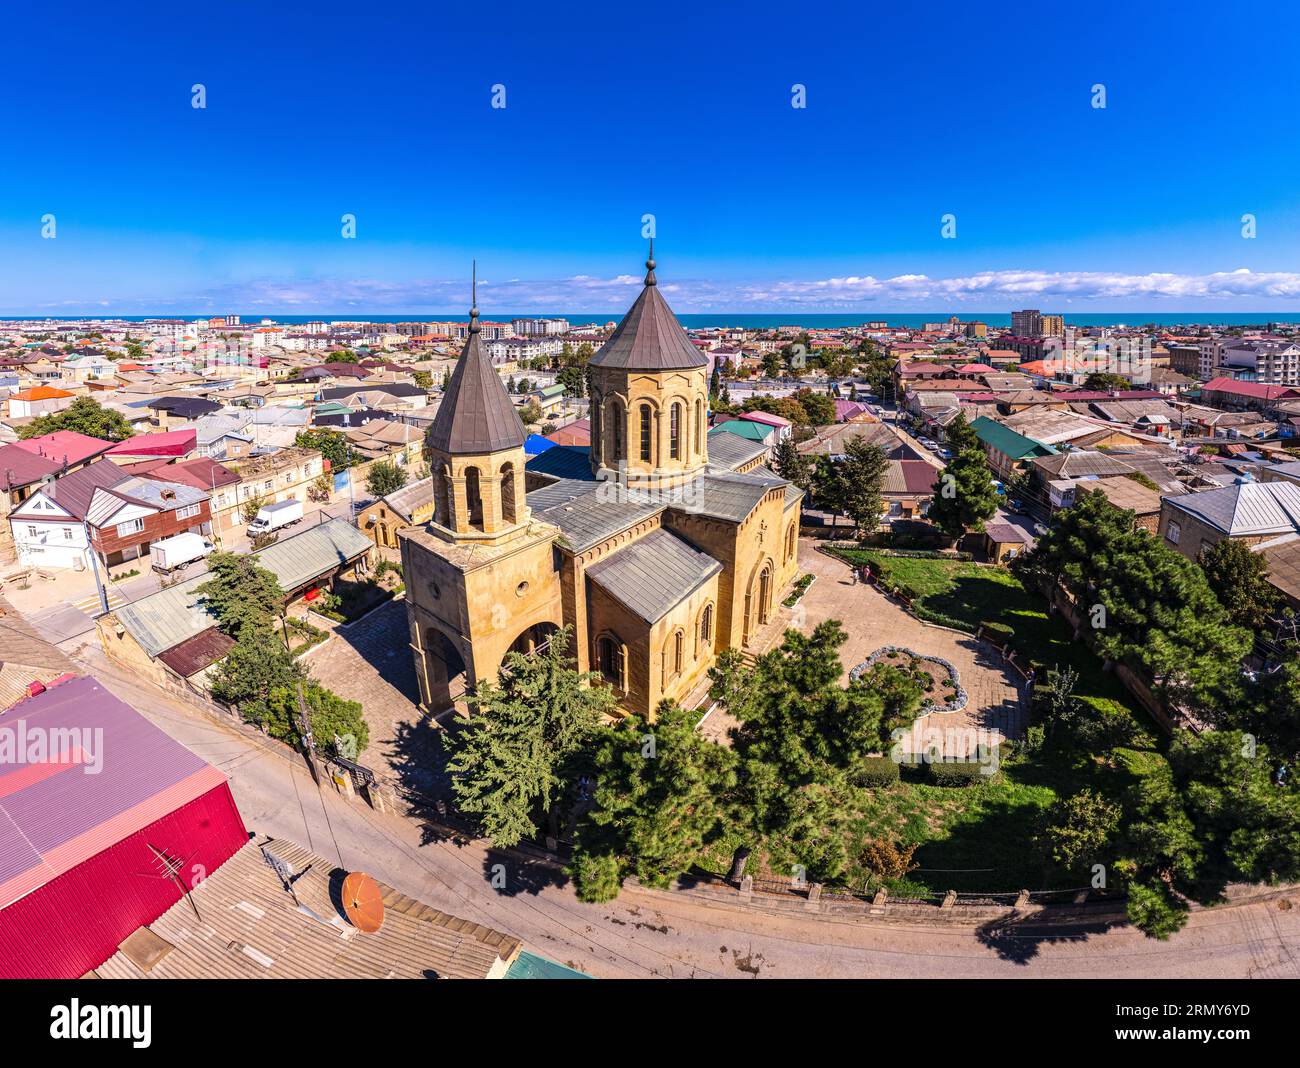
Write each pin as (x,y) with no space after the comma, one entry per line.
(362,902)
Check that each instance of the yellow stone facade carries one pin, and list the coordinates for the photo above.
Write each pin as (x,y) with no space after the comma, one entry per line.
(497,570)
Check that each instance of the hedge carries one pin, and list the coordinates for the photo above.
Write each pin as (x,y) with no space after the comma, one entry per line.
(1001,633)
(956,772)
(878,771)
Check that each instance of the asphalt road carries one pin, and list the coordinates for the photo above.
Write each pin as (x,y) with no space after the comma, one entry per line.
(648,934)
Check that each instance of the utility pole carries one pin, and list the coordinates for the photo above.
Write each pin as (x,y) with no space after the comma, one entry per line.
(352,494)
(94,566)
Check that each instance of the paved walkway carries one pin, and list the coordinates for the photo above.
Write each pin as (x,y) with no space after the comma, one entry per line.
(371,662)
(873,620)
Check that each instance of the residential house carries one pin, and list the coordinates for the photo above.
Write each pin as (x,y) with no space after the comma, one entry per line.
(279,476)
(21,473)
(1248,511)
(411,505)
(39,400)
(1007,451)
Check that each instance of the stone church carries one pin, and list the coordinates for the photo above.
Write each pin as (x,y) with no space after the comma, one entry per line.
(658,545)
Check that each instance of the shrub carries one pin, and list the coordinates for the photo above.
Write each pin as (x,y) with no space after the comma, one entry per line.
(956,772)
(878,771)
(595,877)
(998,633)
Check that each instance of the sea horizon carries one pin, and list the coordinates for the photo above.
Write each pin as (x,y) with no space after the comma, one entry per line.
(715,320)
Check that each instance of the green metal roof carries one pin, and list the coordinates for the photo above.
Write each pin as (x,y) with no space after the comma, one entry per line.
(1007,441)
(744,428)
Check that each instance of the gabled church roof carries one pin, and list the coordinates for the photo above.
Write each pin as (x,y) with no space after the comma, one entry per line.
(649,338)
(476,414)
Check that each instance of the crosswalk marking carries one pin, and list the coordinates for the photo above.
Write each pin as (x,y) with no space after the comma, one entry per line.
(90,605)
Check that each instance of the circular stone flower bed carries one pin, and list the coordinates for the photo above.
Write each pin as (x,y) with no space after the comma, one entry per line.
(943,692)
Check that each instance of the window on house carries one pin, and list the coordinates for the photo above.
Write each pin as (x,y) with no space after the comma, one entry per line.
(1172,533)
(31,531)
(67,533)
(131,526)
(188,511)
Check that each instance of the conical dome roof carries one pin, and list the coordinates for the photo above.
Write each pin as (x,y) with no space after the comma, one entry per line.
(476,415)
(649,337)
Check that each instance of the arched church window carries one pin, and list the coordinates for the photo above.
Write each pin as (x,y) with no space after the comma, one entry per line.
(508,493)
(473,498)
(675,432)
(647,421)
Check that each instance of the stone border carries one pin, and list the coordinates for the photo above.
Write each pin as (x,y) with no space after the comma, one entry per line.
(955,705)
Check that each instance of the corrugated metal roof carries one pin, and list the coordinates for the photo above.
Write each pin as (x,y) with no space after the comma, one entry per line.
(166,618)
(54,815)
(253,928)
(1246,508)
(654,573)
(729,451)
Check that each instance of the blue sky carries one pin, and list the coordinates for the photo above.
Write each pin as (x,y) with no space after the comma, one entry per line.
(383,111)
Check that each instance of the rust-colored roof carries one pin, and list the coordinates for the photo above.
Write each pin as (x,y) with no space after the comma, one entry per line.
(649,337)
(476,414)
(37,393)
(198,652)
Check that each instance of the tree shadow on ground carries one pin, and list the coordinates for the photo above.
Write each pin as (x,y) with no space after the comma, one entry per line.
(510,872)
(1020,939)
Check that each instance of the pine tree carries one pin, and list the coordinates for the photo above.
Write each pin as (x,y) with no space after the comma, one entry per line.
(862,478)
(964,495)
(660,799)
(511,761)
(1239,578)
(792,465)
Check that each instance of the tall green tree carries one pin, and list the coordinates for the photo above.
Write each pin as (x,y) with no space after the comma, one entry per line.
(513,758)
(242,594)
(1239,578)
(801,737)
(964,495)
(1144,603)
(792,465)
(385,477)
(660,800)
(85,415)
(861,472)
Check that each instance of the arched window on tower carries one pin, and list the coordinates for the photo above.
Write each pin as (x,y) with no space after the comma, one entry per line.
(508,514)
(675,432)
(699,427)
(473,498)
(647,422)
(617,423)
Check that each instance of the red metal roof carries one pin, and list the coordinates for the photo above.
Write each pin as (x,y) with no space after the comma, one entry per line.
(168,443)
(1259,390)
(119,774)
(66,446)
(20,467)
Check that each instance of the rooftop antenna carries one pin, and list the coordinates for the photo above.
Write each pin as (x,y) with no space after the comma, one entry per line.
(169,868)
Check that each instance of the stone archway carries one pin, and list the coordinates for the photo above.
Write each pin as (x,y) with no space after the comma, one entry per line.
(532,638)
(444,678)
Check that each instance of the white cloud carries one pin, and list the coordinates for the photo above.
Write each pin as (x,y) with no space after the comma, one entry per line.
(988,291)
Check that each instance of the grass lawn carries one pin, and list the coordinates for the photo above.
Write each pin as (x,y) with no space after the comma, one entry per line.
(980,838)
(960,594)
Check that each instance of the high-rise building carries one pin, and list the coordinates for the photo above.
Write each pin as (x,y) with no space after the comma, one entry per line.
(1052,326)
(1027,323)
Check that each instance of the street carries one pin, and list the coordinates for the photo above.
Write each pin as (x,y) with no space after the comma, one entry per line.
(650,934)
